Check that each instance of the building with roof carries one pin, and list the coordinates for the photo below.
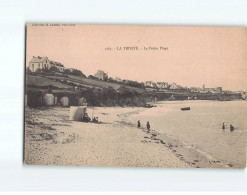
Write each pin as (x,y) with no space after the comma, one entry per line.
(101,75)
(150,84)
(43,62)
(175,86)
(58,65)
(195,89)
(39,63)
(162,85)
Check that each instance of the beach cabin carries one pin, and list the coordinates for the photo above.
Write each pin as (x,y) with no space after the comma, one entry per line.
(77,113)
(25,99)
(55,100)
(33,100)
(64,101)
(48,100)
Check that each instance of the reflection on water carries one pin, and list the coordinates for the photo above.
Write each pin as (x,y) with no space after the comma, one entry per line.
(201,126)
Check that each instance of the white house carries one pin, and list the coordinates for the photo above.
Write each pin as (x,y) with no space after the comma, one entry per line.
(195,89)
(43,62)
(101,75)
(39,63)
(150,84)
(175,86)
(162,85)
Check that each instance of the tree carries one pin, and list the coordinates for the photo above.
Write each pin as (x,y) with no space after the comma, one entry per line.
(54,69)
(46,70)
(38,70)
(110,79)
(28,70)
(105,78)
(78,73)
(66,71)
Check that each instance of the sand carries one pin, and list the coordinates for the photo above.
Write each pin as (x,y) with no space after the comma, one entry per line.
(51,139)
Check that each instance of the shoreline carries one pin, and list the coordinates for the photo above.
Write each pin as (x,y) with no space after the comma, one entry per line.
(194,157)
(116,142)
(51,139)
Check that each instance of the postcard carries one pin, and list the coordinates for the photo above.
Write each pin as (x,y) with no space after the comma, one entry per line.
(135,96)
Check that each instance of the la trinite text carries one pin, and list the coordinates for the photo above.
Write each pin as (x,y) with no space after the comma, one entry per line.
(136,48)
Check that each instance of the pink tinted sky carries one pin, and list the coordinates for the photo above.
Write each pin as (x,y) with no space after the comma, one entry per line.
(214,56)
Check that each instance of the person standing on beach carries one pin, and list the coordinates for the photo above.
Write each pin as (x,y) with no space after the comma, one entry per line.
(223,126)
(138,124)
(231,128)
(148,126)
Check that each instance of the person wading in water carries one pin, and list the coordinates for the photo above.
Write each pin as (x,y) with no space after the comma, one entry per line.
(231,128)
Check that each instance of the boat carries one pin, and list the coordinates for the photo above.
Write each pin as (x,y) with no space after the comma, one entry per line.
(185,108)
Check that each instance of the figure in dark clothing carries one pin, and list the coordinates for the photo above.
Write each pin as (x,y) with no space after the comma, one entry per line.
(148,126)
(223,126)
(138,124)
(231,128)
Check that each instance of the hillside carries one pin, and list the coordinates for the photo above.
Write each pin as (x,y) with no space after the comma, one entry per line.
(69,82)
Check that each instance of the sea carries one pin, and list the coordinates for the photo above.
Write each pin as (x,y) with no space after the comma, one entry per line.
(201,126)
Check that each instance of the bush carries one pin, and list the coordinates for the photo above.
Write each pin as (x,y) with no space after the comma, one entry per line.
(92,77)
(54,69)
(78,73)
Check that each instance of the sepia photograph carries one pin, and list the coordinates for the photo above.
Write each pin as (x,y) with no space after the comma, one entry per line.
(135,96)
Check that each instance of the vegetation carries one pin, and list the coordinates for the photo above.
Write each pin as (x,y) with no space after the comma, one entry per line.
(92,77)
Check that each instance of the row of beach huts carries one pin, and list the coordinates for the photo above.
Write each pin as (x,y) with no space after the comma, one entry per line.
(77,112)
(51,100)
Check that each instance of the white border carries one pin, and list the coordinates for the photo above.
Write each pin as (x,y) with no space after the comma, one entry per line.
(13,16)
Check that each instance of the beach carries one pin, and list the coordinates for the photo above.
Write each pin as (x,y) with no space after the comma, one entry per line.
(51,139)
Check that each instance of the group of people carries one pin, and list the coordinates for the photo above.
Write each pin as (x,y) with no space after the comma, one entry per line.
(147,125)
(224,126)
(87,119)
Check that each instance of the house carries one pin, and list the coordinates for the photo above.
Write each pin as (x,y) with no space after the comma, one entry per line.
(71,69)
(219,90)
(101,75)
(43,62)
(150,84)
(195,89)
(175,86)
(211,90)
(118,79)
(39,63)
(162,85)
(58,65)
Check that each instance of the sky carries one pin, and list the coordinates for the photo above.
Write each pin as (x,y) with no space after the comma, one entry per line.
(189,56)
